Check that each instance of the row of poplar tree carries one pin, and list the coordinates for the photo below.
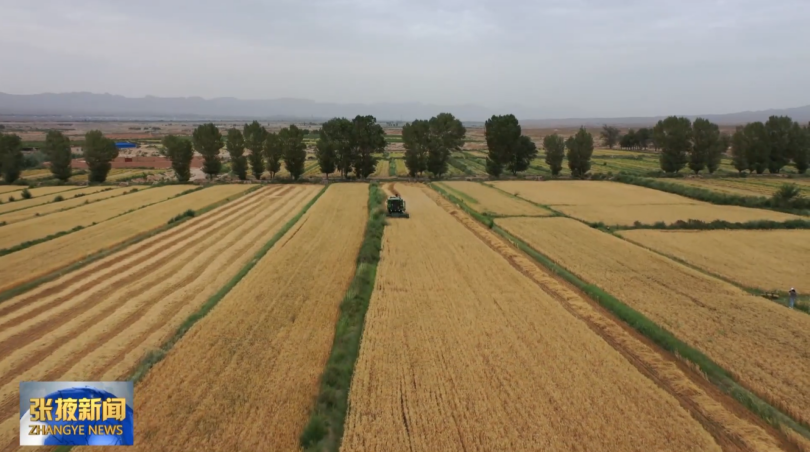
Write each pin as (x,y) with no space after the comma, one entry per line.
(700,145)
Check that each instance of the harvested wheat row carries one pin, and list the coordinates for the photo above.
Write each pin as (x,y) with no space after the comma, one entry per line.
(41,259)
(588,193)
(626,215)
(264,345)
(37,200)
(37,228)
(103,332)
(71,200)
(490,200)
(767,260)
(763,344)
(462,352)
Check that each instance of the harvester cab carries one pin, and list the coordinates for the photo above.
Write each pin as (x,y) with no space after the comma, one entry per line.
(396,207)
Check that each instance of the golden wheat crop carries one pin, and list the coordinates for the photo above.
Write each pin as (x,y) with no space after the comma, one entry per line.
(16,191)
(37,228)
(762,343)
(490,200)
(98,322)
(37,200)
(38,260)
(768,260)
(402,169)
(261,351)
(628,214)
(587,193)
(461,351)
(73,198)
(382,169)
(733,187)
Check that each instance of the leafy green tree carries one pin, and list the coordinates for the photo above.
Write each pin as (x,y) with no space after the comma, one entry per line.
(337,135)
(555,152)
(778,128)
(508,148)
(57,148)
(674,135)
(255,136)
(294,150)
(416,139)
(610,136)
(644,137)
(274,153)
(368,138)
(99,151)
(629,140)
(801,156)
(580,150)
(757,146)
(180,152)
(207,140)
(715,156)
(739,150)
(235,142)
(705,145)
(11,157)
(326,153)
(446,136)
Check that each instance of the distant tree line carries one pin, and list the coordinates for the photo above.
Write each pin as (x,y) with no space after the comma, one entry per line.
(773,145)
(348,145)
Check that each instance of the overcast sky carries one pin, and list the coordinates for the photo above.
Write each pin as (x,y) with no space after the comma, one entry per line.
(564,57)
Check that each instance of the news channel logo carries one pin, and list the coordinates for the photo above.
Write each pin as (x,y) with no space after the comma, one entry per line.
(76,413)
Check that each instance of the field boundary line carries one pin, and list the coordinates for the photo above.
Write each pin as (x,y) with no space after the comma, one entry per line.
(324,430)
(458,193)
(722,378)
(556,213)
(30,243)
(22,288)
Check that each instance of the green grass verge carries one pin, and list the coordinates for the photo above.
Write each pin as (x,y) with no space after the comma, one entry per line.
(156,356)
(662,337)
(324,431)
(709,225)
(22,288)
(392,167)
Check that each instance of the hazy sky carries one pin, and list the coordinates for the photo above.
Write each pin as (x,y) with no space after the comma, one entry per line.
(566,57)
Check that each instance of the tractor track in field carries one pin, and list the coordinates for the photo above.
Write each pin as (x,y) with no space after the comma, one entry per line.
(729,439)
(235,236)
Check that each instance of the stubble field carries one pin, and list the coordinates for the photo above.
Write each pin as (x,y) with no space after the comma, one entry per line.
(485,200)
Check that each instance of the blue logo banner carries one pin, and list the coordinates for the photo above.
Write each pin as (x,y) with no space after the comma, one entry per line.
(76,413)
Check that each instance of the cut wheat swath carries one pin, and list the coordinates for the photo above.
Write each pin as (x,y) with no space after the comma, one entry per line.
(553,193)
(41,259)
(462,352)
(496,202)
(264,345)
(626,215)
(762,343)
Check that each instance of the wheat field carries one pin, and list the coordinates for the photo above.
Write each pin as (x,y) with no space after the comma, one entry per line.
(85,328)
(767,260)
(762,343)
(37,228)
(462,352)
(625,215)
(16,191)
(586,193)
(41,259)
(489,200)
(37,200)
(70,201)
(264,346)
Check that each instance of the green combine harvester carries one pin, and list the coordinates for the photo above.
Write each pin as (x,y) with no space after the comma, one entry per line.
(396,207)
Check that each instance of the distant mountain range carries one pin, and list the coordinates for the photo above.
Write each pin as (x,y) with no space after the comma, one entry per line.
(108,106)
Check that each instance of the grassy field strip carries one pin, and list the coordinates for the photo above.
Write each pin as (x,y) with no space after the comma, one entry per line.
(763,344)
(41,259)
(463,352)
(264,345)
(627,215)
(767,260)
(37,228)
(71,201)
(139,308)
(494,202)
(43,199)
(690,390)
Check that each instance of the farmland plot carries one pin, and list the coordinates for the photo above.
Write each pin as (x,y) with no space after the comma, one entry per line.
(16,191)
(461,351)
(489,200)
(767,260)
(763,344)
(37,228)
(577,193)
(265,344)
(626,215)
(44,199)
(41,259)
(381,170)
(73,198)
(97,323)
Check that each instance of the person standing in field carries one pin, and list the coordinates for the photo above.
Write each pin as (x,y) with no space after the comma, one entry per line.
(792,294)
